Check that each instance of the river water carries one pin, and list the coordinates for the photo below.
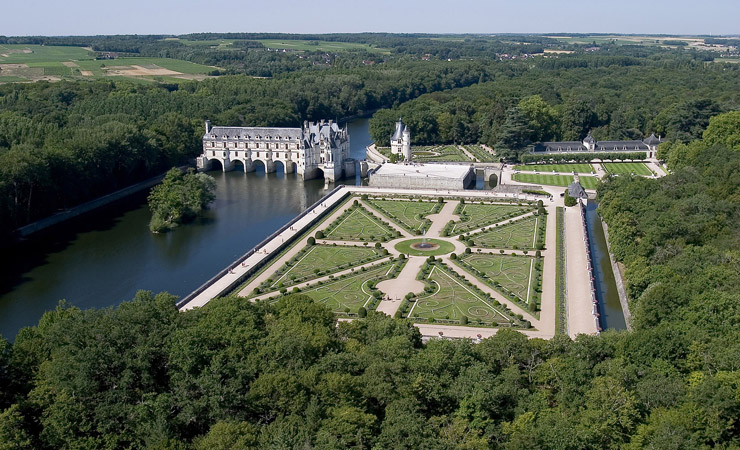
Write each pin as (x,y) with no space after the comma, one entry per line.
(103,258)
(610,308)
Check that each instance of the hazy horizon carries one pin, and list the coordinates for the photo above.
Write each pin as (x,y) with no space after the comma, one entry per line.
(167,17)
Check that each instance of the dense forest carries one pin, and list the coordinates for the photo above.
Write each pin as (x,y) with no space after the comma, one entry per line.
(67,142)
(236,374)
(616,97)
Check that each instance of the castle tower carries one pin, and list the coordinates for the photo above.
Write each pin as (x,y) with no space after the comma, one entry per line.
(406,144)
(401,141)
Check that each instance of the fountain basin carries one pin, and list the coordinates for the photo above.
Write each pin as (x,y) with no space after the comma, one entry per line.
(425,247)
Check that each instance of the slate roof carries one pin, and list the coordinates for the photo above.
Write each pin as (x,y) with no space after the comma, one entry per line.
(652,140)
(575,190)
(400,128)
(253,132)
(607,146)
(566,146)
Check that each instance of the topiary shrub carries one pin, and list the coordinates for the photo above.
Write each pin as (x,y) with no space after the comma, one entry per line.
(362,312)
(311,241)
(464,320)
(319,234)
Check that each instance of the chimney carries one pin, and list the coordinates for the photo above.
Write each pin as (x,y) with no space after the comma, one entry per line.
(208,126)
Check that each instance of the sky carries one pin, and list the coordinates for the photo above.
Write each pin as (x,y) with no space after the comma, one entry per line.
(90,17)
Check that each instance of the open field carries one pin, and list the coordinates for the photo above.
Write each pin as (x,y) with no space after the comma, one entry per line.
(627,169)
(321,46)
(474,216)
(410,215)
(35,62)
(347,295)
(358,224)
(519,234)
(317,260)
(449,153)
(511,275)
(452,300)
(560,168)
(22,53)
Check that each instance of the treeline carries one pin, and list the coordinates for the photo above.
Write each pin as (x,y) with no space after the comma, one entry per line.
(65,143)
(566,98)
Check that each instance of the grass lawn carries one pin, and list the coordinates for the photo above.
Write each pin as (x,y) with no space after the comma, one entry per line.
(350,293)
(508,274)
(520,234)
(452,299)
(474,216)
(480,153)
(358,224)
(443,248)
(10,79)
(439,153)
(560,168)
(627,169)
(545,180)
(411,215)
(318,260)
(589,182)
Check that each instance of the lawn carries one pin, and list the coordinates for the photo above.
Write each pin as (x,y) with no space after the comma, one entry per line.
(452,299)
(519,234)
(318,260)
(545,180)
(560,168)
(474,216)
(589,182)
(627,169)
(348,294)
(411,215)
(439,153)
(480,153)
(508,274)
(358,224)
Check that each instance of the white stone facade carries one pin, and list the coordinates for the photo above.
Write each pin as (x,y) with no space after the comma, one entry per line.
(316,150)
(401,141)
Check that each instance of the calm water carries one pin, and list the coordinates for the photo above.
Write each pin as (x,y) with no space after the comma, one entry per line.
(610,308)
(103,258)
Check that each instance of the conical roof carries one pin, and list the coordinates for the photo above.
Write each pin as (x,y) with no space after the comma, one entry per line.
(652,140)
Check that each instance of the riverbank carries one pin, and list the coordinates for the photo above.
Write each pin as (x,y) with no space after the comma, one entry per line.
(63,216)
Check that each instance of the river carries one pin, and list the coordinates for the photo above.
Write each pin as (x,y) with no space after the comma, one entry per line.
(611,316)
(103,258)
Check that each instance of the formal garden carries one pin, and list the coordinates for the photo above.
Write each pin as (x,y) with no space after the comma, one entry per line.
(557,168)
(628,168)
(366,239)
(545,179)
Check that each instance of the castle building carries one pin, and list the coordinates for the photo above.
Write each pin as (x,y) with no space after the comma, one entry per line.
(316,150)
(401,141)
(589,144)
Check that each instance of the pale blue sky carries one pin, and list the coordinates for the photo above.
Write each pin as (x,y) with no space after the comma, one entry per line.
(86,17)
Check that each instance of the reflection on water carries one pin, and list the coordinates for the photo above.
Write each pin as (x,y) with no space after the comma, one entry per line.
(610,309)
(103,258)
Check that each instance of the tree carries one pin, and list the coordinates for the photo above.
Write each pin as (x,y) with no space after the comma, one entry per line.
(514,135)
(578,118)
(180,198)
(724,129)
(542,118)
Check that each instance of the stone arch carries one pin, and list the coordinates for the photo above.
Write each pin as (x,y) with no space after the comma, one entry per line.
(259,166)
(280,167)
(216,164)
(239,165)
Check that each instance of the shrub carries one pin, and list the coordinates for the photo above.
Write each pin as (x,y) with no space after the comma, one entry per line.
(362,312)
(453,256)
(319,234)
(311,241)
(355,203)
(464,320)
(467,251)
